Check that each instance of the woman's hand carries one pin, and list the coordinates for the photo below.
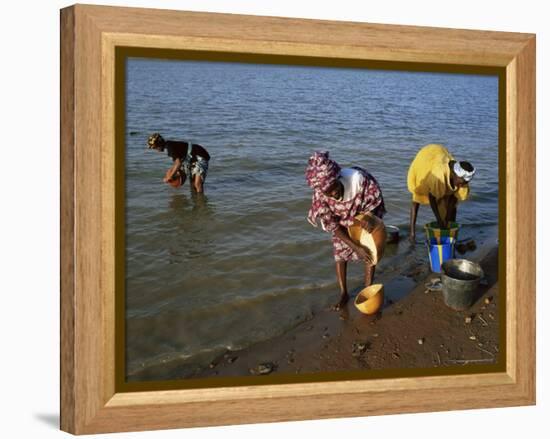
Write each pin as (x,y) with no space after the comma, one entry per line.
(171,175)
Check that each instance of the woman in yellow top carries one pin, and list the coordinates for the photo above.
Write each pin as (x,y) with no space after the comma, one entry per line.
(435,178)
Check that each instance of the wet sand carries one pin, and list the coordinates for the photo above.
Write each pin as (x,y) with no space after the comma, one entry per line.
(418,331)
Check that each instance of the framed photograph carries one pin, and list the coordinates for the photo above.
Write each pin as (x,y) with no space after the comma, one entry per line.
(269,219)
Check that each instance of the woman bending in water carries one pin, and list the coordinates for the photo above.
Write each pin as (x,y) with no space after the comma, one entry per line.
(339,195)
(436,179)
(189,160)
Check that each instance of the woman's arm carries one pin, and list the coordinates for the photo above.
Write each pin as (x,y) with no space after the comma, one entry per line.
(412,224)
(435,210)
(451,209)
(172,171)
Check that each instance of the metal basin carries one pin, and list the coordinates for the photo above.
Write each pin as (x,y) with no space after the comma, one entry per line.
(460,279)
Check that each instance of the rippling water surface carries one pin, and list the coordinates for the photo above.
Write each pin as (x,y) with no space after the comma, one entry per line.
(241,264)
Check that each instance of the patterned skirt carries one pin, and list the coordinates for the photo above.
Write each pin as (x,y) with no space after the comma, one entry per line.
(197,167)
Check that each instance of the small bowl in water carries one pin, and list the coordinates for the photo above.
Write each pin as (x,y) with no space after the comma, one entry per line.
(370,299)
(176,181)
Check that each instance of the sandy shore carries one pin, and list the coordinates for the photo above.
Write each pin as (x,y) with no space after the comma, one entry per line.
(418,331)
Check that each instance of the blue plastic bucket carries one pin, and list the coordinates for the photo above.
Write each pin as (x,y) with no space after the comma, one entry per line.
(440,250)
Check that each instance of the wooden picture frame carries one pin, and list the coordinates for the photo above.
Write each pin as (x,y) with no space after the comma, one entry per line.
(91,401)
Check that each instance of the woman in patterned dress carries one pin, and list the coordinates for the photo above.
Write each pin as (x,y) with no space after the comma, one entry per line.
(339,195)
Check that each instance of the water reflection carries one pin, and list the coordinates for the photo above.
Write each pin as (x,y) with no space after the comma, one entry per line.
(179,201)
(200,204)
(193,224)
(195,202)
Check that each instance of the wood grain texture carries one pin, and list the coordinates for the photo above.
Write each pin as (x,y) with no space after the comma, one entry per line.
(311,37)
(297,407)
(90,35)
(90,324)
(525,222)
(108,206)
(67,253)
(512,212)
(306,389)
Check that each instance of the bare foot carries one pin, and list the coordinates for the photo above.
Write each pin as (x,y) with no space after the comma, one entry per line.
(343,300)
(344,313)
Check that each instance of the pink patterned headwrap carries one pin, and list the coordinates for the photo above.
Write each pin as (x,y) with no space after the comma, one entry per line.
(321,172)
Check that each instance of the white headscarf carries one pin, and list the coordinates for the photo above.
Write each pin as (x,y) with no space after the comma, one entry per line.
(463,173)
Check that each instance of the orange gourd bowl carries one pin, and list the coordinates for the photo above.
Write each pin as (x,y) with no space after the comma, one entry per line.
(176,181)
(370,299)
(374,241)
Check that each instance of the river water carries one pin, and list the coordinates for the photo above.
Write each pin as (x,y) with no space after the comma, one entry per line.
(241,264)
